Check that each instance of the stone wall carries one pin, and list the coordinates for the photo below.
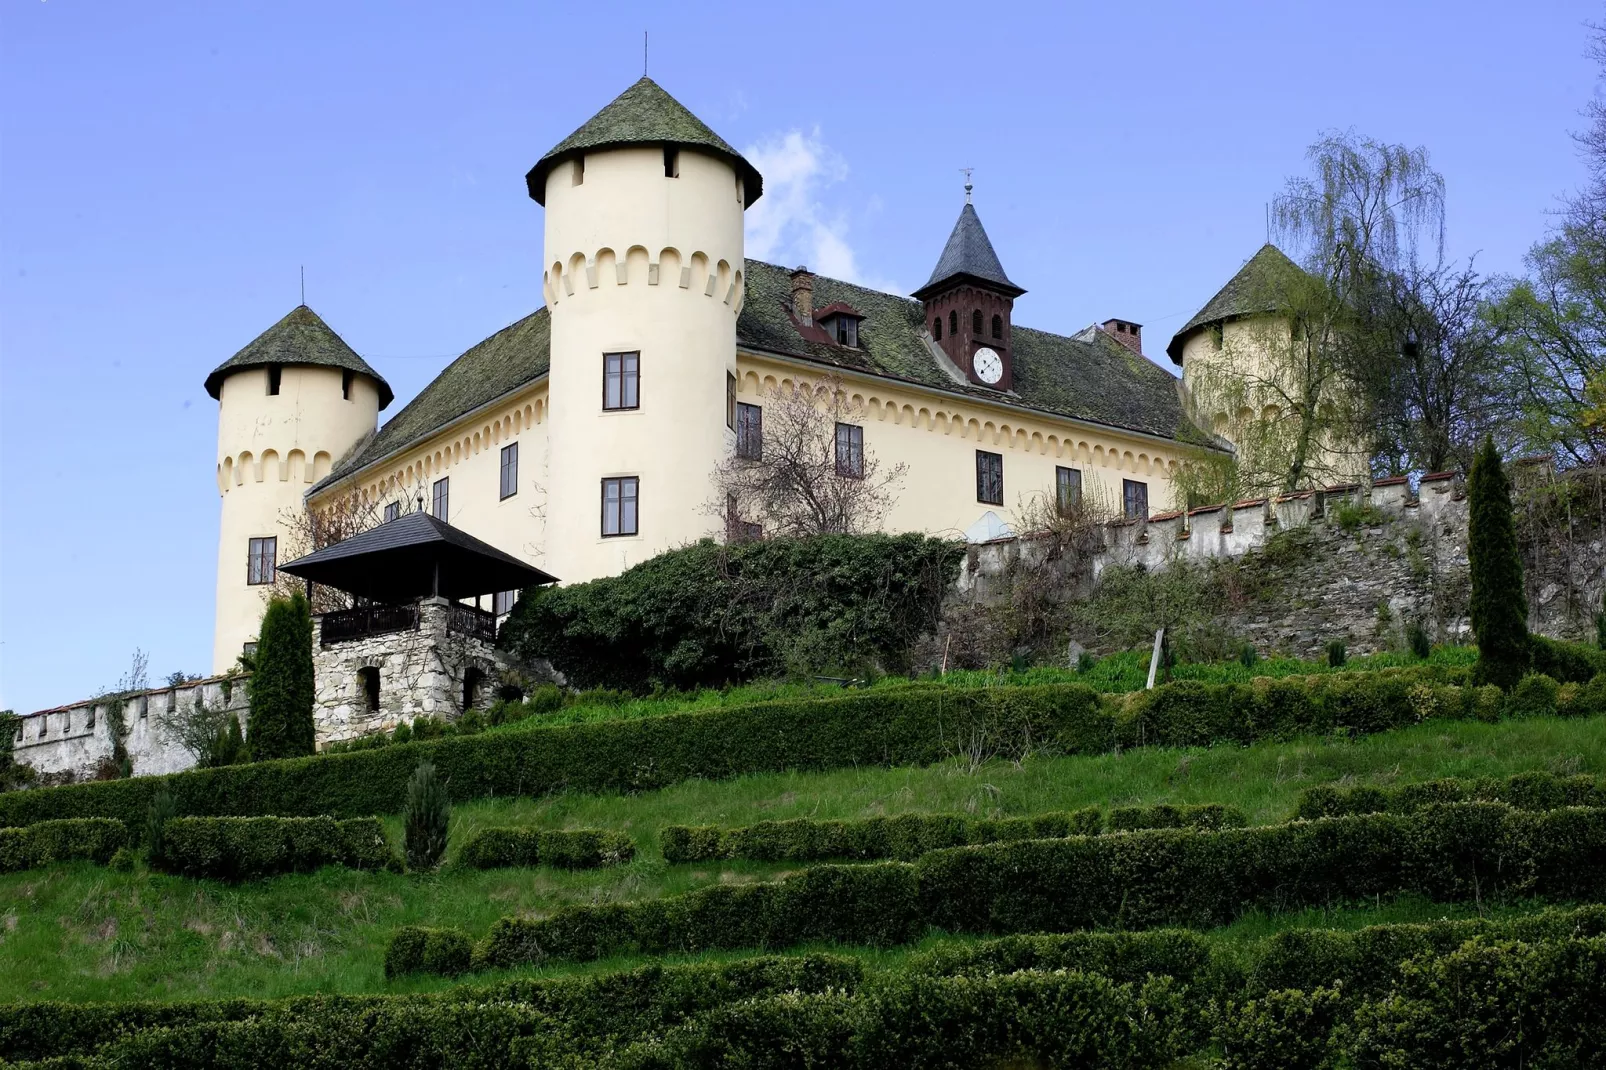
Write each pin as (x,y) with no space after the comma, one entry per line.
(1358,563)
(421,674)
(73,742)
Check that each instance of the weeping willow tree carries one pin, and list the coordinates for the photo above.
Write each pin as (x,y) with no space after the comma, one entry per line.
(1293,344)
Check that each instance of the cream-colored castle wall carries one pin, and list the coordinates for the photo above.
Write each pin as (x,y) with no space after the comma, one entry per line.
(271,449)
(936,437)
(468,453)
(639,262)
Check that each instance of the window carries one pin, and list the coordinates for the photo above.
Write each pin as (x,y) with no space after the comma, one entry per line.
(441,500)
(345,384)
(936,329)
(510,469)
(998,327)
(368,681)
(1067,489)
(619,506)
(671,163)
(261,555)
(392,511)
(472,678)
(730,401)
(953,323)
(502,604)
(749,432)
(1135,499)
(847,331)
(850,451)
(275,377)
(736,529)
(975,322)
(989,477)
(249,649)
(621,381)
(579,172)
(1215,335)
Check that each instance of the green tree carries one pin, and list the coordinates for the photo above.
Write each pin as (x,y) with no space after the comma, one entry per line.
(425,818)
(281,688)
(1499,608)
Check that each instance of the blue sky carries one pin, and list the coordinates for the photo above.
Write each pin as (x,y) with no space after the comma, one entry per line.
(166,169)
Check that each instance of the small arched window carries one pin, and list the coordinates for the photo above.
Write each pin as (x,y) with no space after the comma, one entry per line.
(975,322)
(953,323)
(998,326)
(936,328)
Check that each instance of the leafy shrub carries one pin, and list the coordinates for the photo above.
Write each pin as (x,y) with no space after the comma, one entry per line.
(426,817)
(415,949)
(1248,656)
(573,849)
(1163,816)
(1534,696)
(245,848)
(123,860)
(1416,637)
(92,838)
(706,615)
(548,698)
(1565,662)
(1283,1030)
(1336,654)
(281,686)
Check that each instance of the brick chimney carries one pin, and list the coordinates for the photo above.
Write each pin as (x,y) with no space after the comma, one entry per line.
(803,296)
(1127,333)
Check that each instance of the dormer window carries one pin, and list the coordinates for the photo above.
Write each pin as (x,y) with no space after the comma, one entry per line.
(840,322)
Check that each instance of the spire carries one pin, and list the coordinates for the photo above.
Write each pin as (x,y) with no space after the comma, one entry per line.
(968,256)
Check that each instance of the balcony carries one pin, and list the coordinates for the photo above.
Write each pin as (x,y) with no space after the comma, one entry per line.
(362,621)
(471,621)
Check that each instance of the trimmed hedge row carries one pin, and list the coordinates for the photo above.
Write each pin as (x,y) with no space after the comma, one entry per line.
(572,849)
(908,836)
(244,848)
(1525,791)
(44,842)
(904,726)
(1139,880)
(576,1013)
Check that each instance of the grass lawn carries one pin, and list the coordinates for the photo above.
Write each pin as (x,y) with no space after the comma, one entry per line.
(82,932)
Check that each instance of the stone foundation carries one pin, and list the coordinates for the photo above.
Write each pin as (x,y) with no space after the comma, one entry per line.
(421,673)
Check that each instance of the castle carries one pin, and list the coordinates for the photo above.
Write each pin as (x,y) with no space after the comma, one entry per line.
(584,436)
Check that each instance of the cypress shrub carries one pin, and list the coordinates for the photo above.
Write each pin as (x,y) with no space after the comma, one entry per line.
(161,810)
(571,849)
(1499,606)
(281,687)
(425,818)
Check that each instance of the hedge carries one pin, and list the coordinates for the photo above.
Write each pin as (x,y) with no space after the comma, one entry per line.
(415,949)
(578,1012)
(908,836)
(897,726)
(572,849)
(44,842)
(1525,791)
(243,848)
(1139,880)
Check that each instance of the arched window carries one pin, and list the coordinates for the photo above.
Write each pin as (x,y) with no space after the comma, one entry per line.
(936,328)
(998,326)
(953,322)
(975,322)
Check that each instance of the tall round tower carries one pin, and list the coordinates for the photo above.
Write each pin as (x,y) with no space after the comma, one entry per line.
(643,281)
(290,404)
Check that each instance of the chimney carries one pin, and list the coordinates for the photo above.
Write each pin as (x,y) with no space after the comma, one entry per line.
(803,296)
(1127,333)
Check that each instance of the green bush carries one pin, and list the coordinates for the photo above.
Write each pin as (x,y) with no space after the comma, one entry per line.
(426,817)
(1336,654)
(93,838)
(1416,637)
(1164,816)
(415,949)
(706,615)
(1499,605)
(281,687)
(1565,662)
(1534,696)
(904,837)
(1282,1030)
(245,848)
(572,849)
(160,811)
(1525,791)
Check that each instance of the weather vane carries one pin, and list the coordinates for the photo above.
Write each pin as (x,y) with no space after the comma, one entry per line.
(966,171)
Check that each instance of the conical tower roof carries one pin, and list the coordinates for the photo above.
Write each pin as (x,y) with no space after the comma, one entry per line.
(643,115)
(1256,288)
(969,255)
(302,337)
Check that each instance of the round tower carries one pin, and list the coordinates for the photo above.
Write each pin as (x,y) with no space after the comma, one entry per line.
(643,281)
(290,405)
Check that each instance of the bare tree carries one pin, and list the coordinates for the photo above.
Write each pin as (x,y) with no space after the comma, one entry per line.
(310,529)
(806,470)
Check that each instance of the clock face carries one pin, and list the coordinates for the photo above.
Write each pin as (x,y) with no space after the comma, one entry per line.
(988,365)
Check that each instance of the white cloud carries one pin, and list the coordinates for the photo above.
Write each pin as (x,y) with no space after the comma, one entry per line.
(791,224)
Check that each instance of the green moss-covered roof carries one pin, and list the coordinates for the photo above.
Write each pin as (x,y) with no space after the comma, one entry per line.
(507,360)
(643,115)
(301,337)
(1255,289)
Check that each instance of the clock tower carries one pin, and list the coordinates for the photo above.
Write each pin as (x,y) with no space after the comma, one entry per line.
(968,302)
